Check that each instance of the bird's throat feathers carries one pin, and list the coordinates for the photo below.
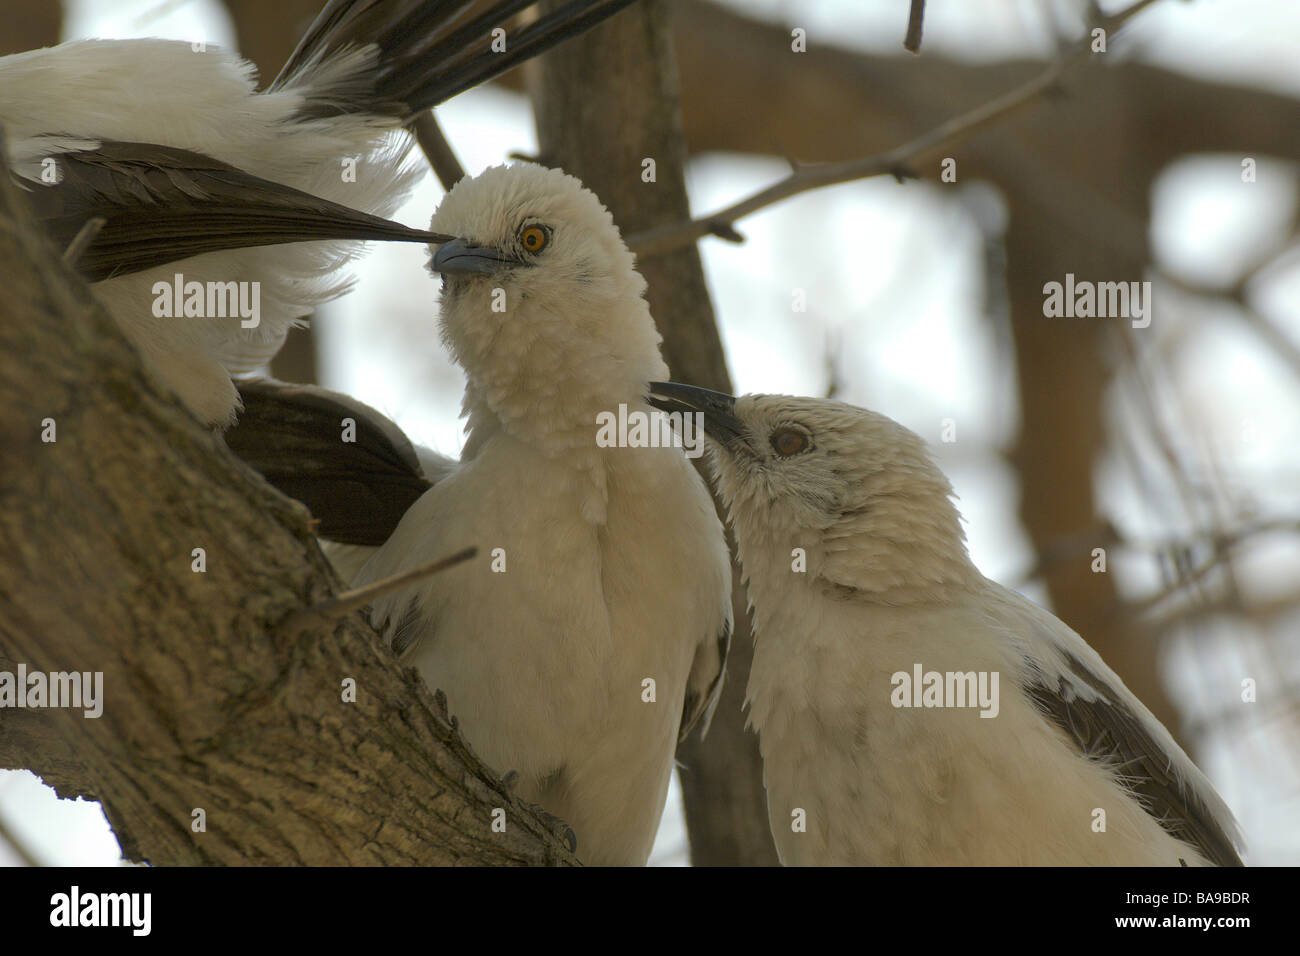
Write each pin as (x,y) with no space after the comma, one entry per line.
(546,376)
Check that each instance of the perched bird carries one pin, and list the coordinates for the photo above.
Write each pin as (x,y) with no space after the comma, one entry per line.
(909,710)
(592,629)
(178,152)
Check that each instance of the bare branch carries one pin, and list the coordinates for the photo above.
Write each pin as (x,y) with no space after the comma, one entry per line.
(349,601)
(82,240)
(437,149)
(915,21)
(1220,541)
(17,845)
(897,162)
(1280,344)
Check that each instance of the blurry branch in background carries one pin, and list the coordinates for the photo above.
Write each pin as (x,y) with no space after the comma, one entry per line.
(832,351)
(7,836)
(1212,546)
(1180,555)
(437,150)
(1210,584)
(915,22)
(1238,294)
(896,162)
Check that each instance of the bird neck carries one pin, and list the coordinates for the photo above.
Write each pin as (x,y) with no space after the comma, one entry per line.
(569,438)
(547,373)
(557,417)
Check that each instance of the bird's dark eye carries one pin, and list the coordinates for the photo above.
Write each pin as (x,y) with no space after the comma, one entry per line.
(787,441)
(534,238)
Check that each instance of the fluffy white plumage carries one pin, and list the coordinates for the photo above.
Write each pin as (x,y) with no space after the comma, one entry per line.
(616,566)
(888,585)
(162,91)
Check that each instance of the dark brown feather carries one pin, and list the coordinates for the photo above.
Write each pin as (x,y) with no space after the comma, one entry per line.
(161,204)
(1107,731)
(428,50)
(293,436)
(696,708)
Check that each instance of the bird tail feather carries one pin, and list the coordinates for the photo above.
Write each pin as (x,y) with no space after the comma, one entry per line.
(401,57)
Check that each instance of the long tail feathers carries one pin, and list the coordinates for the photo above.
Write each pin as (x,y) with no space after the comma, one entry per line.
(421,52)
(162,204)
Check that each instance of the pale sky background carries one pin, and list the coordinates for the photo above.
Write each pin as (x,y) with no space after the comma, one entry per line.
(915,257)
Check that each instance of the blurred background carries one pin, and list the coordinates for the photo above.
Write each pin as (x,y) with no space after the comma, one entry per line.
(1175,448)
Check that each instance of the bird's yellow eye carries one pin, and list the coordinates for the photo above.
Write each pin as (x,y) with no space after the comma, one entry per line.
(534,238)
(788,441)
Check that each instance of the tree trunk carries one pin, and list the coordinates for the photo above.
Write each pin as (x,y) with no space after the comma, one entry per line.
(602,131)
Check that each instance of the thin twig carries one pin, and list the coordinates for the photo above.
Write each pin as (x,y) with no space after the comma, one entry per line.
(896,162)
(82,240)
(349,601)
(1276,340)
(437,150)
(915,20)
(1070,547)
(19,847)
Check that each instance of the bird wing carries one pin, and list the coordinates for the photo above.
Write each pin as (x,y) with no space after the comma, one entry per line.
(403,57)
(162,204)
(704,683)
(358,490)
(1071,685)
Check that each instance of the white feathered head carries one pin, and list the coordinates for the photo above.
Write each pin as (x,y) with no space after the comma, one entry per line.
(541,303)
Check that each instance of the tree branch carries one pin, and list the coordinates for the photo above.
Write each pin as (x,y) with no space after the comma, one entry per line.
(349,601)
(437,150)
(915,22)
(897,162)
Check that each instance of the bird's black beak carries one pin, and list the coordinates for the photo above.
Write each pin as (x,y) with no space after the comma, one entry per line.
(462,256)
(718,408)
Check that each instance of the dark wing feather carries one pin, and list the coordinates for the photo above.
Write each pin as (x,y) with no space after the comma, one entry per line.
(1106,730)
(698,708)
(427,50)
(293,436)
(161,204)
(571,20)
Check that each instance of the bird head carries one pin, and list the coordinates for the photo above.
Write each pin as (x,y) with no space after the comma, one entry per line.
(541,303)
(854,489)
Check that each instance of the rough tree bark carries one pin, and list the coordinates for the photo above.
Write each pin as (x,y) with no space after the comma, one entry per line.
(207,703)
(604,104)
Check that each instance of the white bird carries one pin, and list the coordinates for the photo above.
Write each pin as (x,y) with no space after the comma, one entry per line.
(592,628)
(1032,752)
(176,149)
